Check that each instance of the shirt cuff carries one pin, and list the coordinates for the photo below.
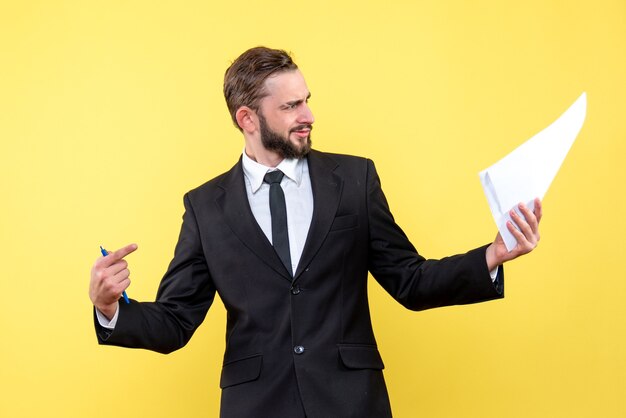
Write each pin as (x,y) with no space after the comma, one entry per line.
(104,321)
(493,273)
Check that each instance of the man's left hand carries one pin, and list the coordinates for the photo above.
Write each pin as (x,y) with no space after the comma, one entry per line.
(527,236)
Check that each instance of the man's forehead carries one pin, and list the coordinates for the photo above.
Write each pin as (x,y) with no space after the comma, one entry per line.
(287,85)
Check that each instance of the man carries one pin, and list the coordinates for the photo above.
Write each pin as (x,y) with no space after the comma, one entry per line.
(287,237)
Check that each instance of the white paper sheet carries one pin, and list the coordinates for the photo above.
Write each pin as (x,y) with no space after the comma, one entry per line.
(528,171)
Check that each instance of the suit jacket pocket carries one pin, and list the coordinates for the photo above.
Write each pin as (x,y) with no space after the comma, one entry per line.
(241,370)
(360,356)
(344,222)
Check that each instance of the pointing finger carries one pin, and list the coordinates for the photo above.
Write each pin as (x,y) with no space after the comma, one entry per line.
(116,256)
(123,252)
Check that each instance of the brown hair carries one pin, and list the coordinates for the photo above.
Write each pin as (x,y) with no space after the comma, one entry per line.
(244,79)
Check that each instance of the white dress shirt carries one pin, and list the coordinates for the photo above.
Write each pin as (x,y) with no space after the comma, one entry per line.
(296,185)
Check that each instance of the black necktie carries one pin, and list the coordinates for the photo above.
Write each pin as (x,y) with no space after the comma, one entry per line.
(278,210)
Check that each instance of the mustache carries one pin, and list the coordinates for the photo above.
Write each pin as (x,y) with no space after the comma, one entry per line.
(301,127)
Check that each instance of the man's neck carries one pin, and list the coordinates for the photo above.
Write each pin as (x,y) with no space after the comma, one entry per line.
(263,156)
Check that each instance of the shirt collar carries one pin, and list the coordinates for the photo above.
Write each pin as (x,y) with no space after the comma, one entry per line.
(254,172)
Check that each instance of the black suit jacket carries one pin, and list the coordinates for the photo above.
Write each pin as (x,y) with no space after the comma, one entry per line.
(301,347)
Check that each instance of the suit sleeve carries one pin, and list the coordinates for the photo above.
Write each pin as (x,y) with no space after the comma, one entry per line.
(185,294)
(415,282)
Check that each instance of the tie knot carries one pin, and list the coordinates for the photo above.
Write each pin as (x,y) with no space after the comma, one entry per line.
(273,177)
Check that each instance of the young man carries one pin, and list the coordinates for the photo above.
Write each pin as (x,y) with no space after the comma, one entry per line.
(287,237)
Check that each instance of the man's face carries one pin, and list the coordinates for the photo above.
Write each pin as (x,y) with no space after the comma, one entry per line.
(285,120)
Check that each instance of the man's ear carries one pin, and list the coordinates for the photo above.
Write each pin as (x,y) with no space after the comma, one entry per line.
(246,119)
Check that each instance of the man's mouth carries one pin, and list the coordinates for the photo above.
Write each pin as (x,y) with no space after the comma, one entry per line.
(303,130)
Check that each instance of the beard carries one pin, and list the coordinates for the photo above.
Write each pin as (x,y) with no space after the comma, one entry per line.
(274,141)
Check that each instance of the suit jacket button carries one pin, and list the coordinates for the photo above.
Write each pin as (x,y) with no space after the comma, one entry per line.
(298,349)
(295,290)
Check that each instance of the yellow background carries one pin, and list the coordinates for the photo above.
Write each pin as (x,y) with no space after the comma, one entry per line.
(111,111)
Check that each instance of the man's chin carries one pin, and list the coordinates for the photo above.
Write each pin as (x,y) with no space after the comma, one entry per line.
(296,147)
(303,147)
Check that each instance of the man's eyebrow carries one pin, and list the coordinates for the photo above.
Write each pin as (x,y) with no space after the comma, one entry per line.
(295,102)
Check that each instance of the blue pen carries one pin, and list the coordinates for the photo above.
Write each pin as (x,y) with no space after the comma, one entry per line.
(105,253)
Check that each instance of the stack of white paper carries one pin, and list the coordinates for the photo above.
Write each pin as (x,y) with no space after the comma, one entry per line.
(526,173)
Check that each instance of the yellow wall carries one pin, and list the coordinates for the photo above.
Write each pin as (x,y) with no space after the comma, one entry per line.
(110,111)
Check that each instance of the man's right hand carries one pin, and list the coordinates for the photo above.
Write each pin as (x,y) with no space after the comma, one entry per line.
(109,278)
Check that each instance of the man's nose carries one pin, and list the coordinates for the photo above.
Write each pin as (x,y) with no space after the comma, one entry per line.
(306,116)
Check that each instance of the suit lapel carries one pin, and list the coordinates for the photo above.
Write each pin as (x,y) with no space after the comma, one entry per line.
(327,187)
(235,208)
